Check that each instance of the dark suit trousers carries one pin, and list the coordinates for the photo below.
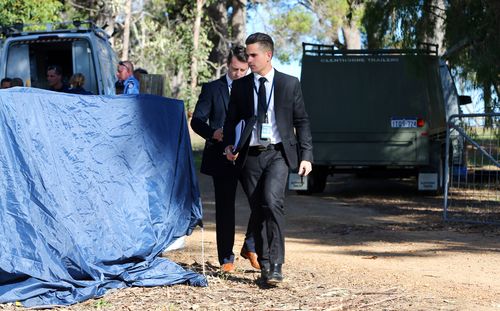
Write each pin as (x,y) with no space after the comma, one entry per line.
(264,180)
(225,193)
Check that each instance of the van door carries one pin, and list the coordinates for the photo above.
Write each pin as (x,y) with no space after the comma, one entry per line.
(18,63)
(82,63)
(2,65)
(1,49)
(107,66)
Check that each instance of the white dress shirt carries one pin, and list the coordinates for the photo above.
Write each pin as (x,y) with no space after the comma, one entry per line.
(229,83)
(275,136)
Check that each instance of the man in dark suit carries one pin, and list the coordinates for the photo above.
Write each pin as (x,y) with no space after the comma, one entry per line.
(212,107)
(280,138)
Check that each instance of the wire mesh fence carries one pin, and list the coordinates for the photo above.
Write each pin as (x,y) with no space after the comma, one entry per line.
(472,169)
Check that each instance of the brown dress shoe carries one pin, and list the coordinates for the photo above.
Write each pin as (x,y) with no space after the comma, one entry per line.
(250,256)
(227,267)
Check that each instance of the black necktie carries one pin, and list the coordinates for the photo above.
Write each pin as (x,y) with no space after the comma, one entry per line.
(262,105)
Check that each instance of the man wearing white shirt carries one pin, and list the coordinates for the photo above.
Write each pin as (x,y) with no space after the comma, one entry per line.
(280,141)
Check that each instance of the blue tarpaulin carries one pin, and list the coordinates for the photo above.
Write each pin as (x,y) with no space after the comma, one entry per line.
(92,190)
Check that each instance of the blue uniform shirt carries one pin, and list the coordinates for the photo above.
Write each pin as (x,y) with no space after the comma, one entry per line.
(131,86)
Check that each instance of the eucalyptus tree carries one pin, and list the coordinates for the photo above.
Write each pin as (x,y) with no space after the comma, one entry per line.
(29,11)
(162,38)
(102,13)
(172,39)
(336,22)
(227,26)
(467,31)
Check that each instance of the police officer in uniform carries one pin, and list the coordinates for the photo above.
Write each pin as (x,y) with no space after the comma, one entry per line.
(125,73)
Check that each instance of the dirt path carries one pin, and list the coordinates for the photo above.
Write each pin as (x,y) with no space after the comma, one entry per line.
(366,244)
(363,245)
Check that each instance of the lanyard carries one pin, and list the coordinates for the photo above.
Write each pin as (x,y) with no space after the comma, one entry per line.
(270,95)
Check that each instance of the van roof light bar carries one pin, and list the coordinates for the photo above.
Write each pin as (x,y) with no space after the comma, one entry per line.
(19,28)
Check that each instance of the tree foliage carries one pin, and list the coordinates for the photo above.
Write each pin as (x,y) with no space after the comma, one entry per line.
(472,29)
(471,35)
(29,11)
(467,30)
(400,24)
(289,25)
(161,33)
(163,43)
(226,21)
(294,21)
(161,39)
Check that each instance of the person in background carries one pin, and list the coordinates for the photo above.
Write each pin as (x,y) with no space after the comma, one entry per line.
(118,87)
(77,81)
(54,78)
(139,72)
(17,82)
(125,73)
(6,83)
(208,119)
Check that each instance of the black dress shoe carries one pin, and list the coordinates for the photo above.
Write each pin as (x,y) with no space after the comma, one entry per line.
(264,272)
(275,276)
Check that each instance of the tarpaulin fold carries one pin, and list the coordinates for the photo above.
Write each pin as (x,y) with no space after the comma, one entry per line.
(92,190)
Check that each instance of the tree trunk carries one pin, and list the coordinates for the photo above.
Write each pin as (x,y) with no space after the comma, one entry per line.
(439,28)
(432,24)
(352,36)
(126,29)
(103,16)
(218,35)
(196,41)
(488,106)
(238,21)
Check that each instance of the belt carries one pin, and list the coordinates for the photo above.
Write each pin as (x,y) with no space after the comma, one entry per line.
(260,148)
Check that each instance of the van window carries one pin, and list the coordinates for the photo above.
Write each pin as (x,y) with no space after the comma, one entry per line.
(1,48)
(83,63)
(29,59)
(18,64)
(108,62)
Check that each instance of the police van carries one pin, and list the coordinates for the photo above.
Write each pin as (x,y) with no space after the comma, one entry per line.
(77,47)
(381,112)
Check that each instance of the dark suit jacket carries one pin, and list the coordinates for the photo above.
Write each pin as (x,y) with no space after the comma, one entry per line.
(291,117)
(209,115)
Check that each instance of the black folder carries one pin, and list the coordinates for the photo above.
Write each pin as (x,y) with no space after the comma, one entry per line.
(245,128)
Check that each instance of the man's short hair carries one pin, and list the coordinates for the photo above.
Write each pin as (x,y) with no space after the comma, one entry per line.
(237,51)
(128,64)
(17,82)
(263,39)
(56,68)
(141,71)
(9,80)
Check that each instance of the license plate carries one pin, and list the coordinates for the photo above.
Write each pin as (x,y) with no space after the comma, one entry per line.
(403,123)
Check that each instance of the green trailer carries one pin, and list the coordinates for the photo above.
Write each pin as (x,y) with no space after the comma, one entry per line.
(377,112)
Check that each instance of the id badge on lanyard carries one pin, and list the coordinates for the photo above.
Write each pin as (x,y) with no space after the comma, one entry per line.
(266,130)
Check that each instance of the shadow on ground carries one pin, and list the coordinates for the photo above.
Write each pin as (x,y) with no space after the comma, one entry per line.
(359,211)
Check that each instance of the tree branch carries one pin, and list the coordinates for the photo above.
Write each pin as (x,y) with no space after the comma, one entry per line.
(76,5)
